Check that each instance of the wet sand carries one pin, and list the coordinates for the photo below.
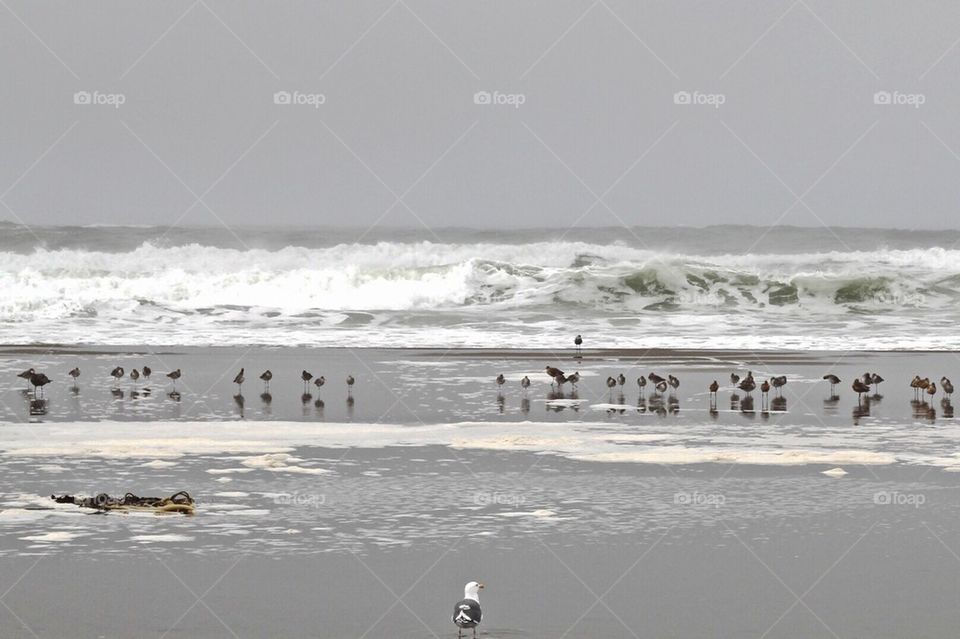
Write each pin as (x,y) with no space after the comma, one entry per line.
(319,535)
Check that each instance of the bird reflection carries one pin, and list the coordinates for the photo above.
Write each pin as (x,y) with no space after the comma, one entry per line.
(641,405)
(266,398)
(117,393)
(318,406)
(501,403)
(746,405)
(778,404)
(525,405)
(174,395)
(947,407)
(38,407)
(734,401)
(350,403)
(239,401)
(305,398)
(862,409)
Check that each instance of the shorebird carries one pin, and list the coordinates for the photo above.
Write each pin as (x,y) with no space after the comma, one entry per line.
(947,386)
(467,614)
(266,376)
(932,390)
(146,372)
(673,381)
(26,375)
(117,373)
(554,373)
(306,377)
(134,375)
(779,382)
(747,384)
(661,386)
(833,379)
(501,380)
(174,375)
(915,385)
(238,380)
(611,383)
(75,373)
(656,379)
(876,380)
(642,383)
(860,388)
(734,379)
(525,383)
(714,387)
(350,383)
(320,381)
(621,379)
(39,380)
(764,389)
(578,341)
(574,379)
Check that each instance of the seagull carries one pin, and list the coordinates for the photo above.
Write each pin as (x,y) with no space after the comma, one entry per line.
(238,380)
(466,614)
(525,383)
(501,379)
(266,376)
(578,341)
(833,379)
(947,386)
(75,373)
(306,377)
(39,380)
(175,375)
(320,381)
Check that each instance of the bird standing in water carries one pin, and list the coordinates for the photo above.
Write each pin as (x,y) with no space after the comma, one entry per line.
(306,376)
(75,373)
(238,380)
(466,613)
(39,380)
(146,373)
(714,387)
(859,388)
(319,382)
(578,341)
(642,383)
(525,383)
(266,376)
(501,380)
(350,382)
(174,375)
(134,375)
(947,386)
(117,374)
(833,379)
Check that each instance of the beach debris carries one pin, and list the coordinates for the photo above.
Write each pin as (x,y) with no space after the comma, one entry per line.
(467,613)
(180,502)
(834,472)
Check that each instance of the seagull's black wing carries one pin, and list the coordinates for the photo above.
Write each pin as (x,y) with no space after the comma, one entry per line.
(466,613)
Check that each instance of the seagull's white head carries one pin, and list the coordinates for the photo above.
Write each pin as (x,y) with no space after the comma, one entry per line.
(472,591)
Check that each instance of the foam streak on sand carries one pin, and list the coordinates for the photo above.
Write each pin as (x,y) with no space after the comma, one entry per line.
(266,446)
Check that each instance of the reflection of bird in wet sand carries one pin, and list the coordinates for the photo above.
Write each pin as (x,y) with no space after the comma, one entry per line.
(266,376)
(860,388)
(306,376)
(238,380)
(834,380)
(39,380)
(175,375)
(947,386)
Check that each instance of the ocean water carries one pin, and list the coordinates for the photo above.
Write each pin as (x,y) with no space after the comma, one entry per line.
(722,287)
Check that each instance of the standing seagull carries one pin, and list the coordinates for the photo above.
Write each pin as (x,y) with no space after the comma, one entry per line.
(306,376)
(238,380)
(578,341)
(174,375)
(466,614)
(266,376)
(573,379)
(75,373)
(501,380)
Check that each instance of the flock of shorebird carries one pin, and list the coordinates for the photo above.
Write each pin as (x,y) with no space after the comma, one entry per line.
(39,380)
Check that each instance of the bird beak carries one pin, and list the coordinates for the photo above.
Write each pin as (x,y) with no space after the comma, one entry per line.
(480,586)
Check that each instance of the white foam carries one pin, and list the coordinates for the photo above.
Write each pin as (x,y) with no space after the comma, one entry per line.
(834,472)
(54,536)
(169,537)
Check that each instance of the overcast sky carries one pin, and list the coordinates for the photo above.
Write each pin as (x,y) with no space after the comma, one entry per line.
(783,124)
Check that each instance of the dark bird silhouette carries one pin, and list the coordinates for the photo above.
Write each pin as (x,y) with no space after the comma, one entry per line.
(714,387)
(611,383)
(266,376)
(642,383)
(876,380)
(319,382)
(134,375)
(75,373)
(578,341)
(673,381)
(947,386)
(574,379)
(306,377)
(779,382)
(554,373)
(764,389)
(656,379)
(621,379)
(525,383)
(661,386)
(734,379)
(26,375)
(238,380)
(175,375)
(859,388)
(747,384)
(501,380)
(931,389)
(350,382)
(39,380)
(833,379)
(117,373)
(146,372)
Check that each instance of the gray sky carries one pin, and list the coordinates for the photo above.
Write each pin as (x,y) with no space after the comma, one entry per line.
(599,139)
